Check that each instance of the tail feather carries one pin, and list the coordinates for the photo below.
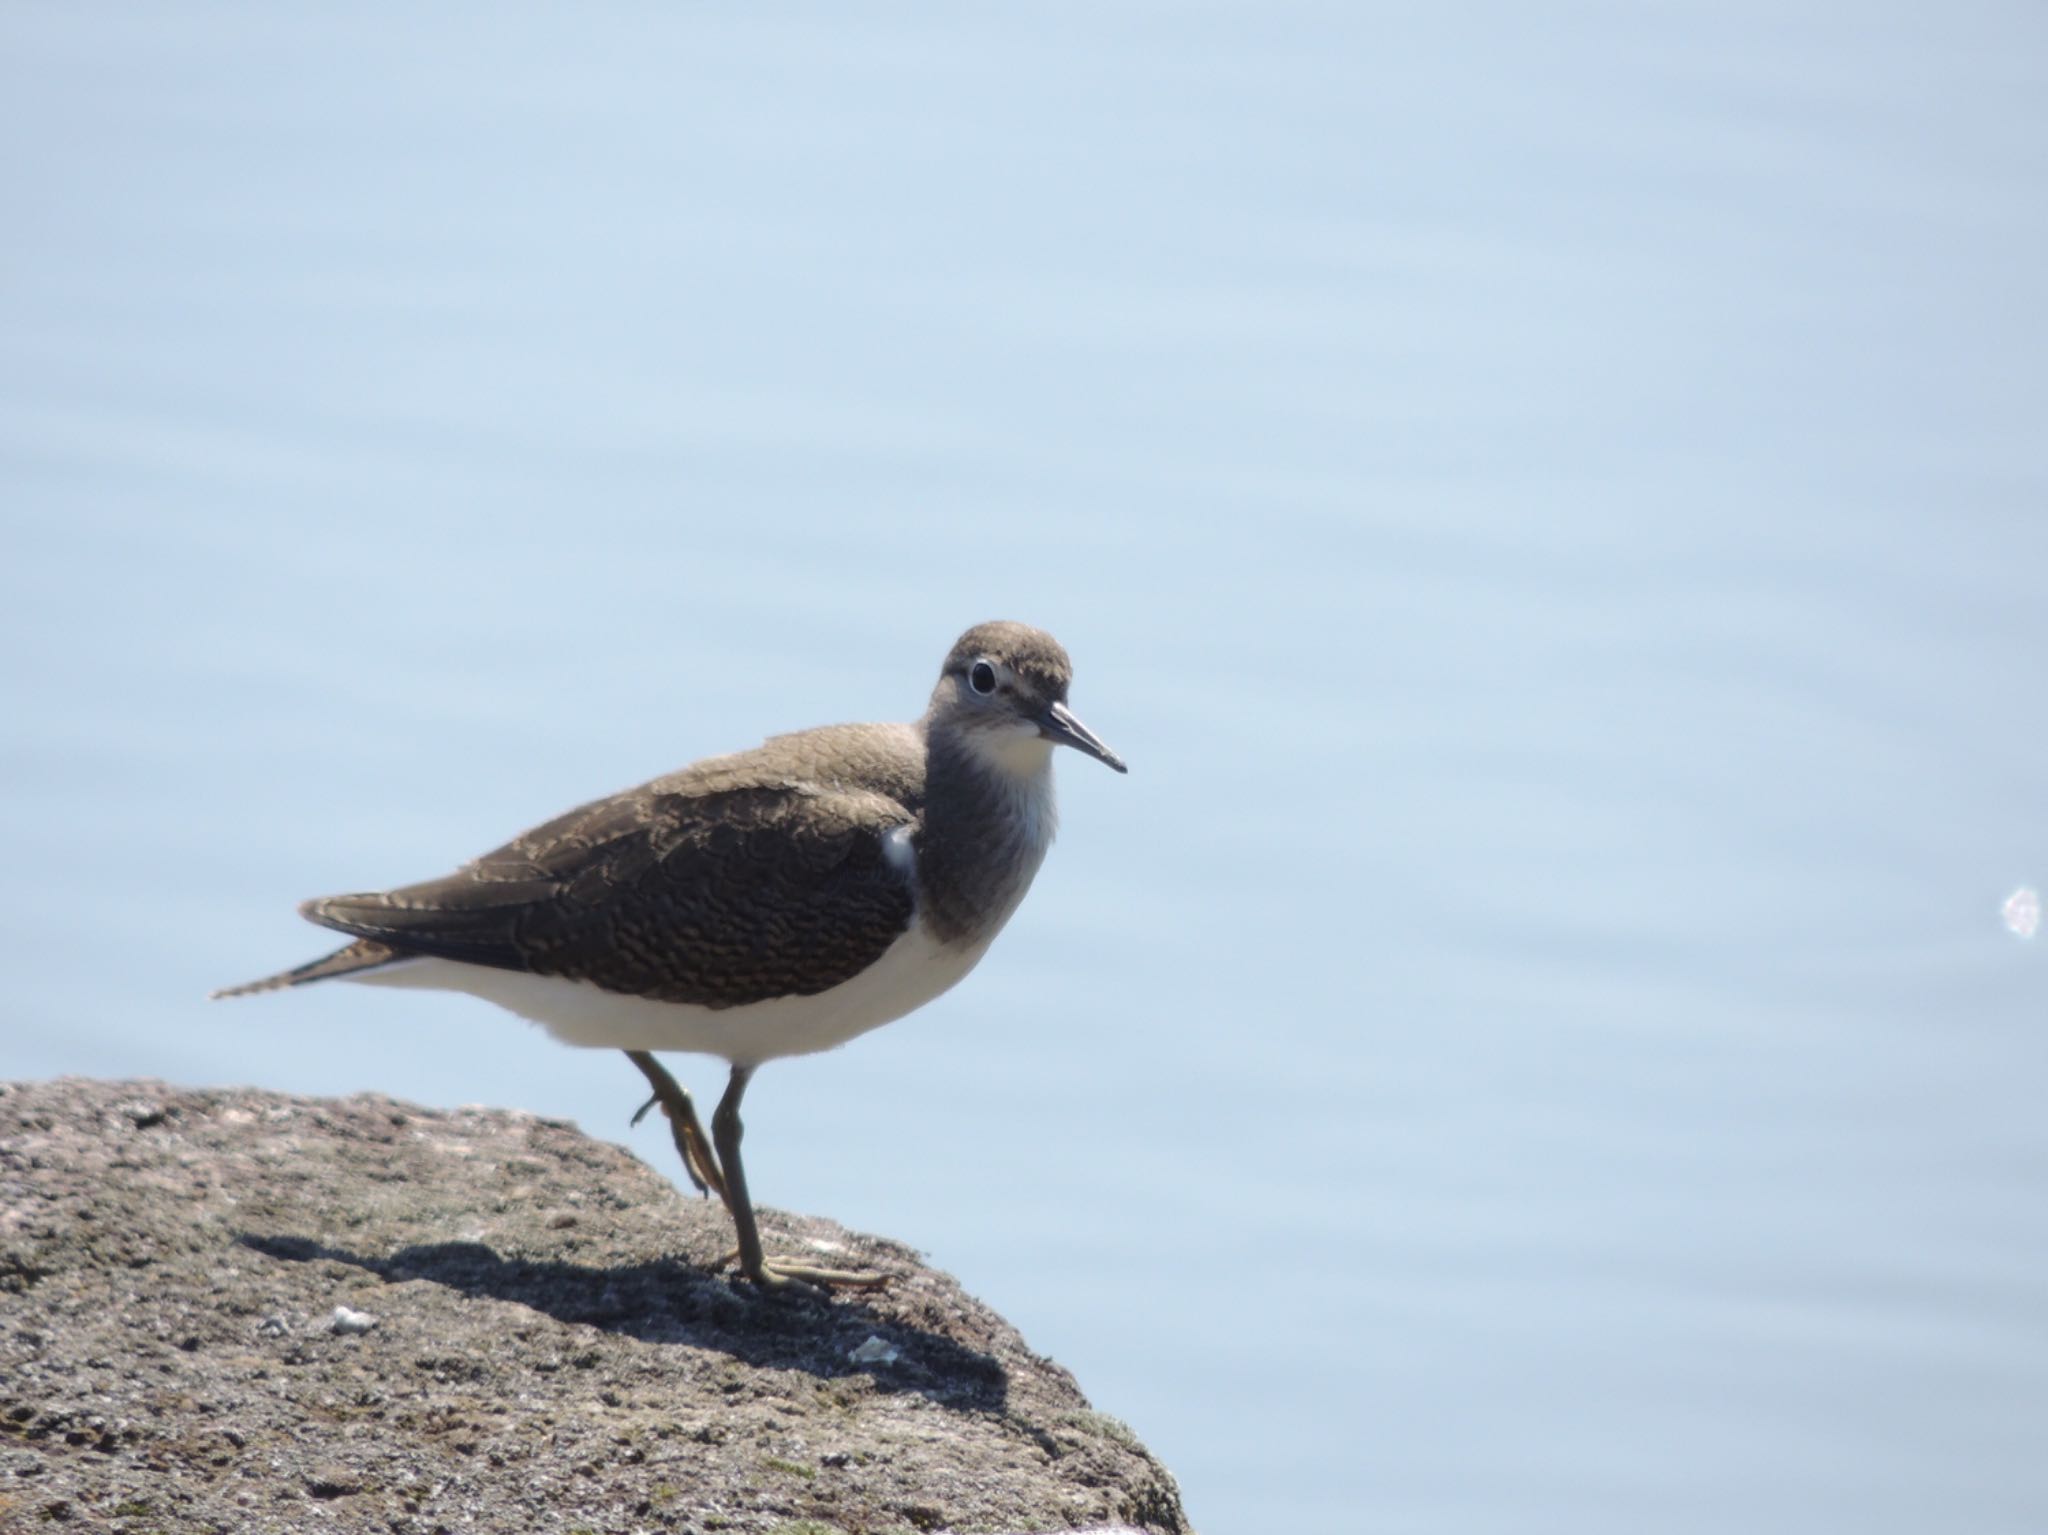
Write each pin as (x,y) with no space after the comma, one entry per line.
(363,954)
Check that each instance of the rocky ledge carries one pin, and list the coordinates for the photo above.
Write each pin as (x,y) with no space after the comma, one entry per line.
(240,1311)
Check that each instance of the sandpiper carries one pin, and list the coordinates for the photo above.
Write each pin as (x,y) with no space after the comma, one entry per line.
(774,902)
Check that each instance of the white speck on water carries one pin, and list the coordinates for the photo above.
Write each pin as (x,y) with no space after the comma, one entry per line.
(2022,912)
(345,1321)
(875,1351)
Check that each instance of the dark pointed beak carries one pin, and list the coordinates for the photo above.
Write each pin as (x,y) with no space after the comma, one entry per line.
(1059,726)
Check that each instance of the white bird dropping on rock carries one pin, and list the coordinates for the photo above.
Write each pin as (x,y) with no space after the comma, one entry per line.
(2023,912)
(875,1351)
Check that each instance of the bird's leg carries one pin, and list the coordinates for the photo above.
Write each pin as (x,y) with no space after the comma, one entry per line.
(769,1274)
(692,1145)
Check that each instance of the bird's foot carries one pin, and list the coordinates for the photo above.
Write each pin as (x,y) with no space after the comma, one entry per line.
(792,1274)
(692,1144)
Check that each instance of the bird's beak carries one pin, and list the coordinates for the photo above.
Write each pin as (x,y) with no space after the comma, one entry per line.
(1059,726)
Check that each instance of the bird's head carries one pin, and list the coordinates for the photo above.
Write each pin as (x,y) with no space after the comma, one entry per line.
(1003,690)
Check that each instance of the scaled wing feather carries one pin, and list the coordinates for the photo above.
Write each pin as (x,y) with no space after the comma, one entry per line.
(717,896)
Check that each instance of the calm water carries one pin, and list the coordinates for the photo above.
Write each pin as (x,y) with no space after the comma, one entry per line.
(1553,510)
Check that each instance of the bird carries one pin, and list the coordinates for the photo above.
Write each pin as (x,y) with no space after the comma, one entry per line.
(774,902)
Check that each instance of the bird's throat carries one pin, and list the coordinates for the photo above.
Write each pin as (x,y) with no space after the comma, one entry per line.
(986,829)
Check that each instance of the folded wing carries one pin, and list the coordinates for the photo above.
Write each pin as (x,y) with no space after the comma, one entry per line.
(717,896)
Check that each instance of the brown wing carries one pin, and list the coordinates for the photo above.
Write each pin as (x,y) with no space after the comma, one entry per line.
(678,891)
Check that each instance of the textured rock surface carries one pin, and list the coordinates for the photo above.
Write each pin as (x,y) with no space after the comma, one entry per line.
(240,1311)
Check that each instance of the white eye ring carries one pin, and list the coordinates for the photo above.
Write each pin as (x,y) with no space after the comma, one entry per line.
(981,676)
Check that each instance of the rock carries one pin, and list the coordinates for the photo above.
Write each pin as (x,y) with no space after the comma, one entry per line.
(333,1481)
(175,1268)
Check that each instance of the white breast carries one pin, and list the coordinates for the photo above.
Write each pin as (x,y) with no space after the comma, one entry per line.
(911,972)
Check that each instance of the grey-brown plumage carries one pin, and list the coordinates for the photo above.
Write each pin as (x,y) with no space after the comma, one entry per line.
(772,902)
(730,882)
(740,878)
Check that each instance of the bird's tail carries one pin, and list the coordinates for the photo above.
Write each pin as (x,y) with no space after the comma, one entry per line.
(363,954)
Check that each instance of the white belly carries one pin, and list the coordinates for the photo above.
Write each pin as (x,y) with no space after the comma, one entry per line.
(911,972)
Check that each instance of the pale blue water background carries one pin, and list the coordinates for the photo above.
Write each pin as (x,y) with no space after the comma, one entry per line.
(1551,502)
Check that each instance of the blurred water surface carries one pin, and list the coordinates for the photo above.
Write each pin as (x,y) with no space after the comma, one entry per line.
(1550,502)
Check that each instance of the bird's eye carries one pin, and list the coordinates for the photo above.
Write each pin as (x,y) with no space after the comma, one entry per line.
(982,678)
